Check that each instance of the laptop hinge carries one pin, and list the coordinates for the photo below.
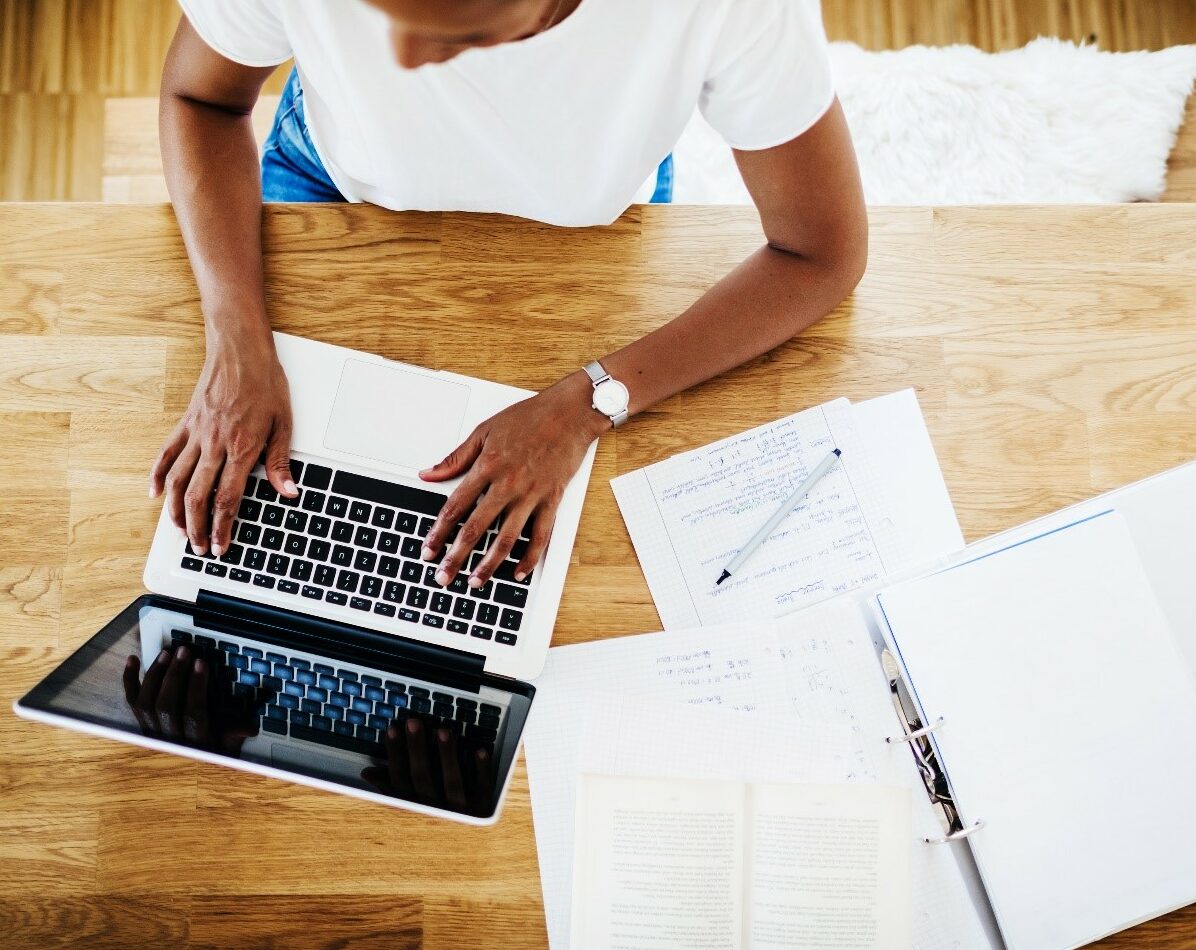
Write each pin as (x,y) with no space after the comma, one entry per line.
(341,640)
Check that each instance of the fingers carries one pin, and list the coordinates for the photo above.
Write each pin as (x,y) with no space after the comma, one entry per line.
(398,767)
(175,444)
(169,701)
(542,524)
(227,500)
(177,480)
(147,696)
(475,527)
(417,755)
(378,778)
(197,500)
(450,768)
(278,458)
(131,680)
(456,509)
(481,789)
(507,535)
(195,706)
(458,460)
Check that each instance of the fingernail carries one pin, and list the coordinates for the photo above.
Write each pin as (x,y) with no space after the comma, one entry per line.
(474,581)
(198,667)
(289,486)
(182,653)
(164,656)
(218,549)
(442,578)
(200,549)
(443,734)
(392,732)
(520,575)
(150,491)
(413,726)
(426,553)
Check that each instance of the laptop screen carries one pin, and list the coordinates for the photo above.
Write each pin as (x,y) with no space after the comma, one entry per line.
(157,670)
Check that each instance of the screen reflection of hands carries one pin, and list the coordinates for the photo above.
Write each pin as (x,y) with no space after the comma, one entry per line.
(432,764)
(180,700)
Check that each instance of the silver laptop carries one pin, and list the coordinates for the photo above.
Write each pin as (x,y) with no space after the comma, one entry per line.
(319,647)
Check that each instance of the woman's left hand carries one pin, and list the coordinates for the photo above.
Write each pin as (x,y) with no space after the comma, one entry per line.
(516,464)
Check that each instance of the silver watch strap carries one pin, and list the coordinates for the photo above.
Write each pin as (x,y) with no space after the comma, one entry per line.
(596,373)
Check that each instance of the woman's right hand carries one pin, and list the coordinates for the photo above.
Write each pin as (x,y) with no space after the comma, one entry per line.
(241,405)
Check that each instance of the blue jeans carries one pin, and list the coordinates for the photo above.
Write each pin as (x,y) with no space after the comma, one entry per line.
(292,171)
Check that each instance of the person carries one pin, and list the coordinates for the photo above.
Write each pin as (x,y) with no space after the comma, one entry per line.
(562,111)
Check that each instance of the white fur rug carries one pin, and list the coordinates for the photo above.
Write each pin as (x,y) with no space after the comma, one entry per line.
(1051,122)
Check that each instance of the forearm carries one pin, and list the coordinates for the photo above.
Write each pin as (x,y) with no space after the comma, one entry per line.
(211,164)
(768,299)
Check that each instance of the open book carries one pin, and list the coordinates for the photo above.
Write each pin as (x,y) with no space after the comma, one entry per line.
(711,864)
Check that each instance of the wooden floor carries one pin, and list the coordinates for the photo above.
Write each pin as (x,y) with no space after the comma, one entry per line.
(60,59)
(1051,349)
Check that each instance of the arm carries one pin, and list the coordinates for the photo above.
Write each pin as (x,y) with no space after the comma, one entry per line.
(812,208)
(241,402)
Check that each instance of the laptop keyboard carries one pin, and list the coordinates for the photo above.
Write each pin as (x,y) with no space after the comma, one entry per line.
(354,541)
(342,708)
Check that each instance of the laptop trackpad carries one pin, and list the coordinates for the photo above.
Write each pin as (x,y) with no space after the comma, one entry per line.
(396,416)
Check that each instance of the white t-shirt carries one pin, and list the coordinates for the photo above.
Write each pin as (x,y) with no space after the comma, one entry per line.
(566,127)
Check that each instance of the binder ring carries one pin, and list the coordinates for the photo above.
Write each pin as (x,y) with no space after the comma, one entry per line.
(917,733)
(957,835)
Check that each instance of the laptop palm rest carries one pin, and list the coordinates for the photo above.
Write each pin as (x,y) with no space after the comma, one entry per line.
(396,416)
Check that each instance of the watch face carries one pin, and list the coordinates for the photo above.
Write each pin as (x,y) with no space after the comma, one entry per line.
(610,397)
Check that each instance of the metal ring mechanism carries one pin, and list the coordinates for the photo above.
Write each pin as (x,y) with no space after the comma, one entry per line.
(957,835)
(917,733)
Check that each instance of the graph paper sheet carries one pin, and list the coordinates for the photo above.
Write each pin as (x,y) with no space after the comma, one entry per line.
(883,508)
(727,674)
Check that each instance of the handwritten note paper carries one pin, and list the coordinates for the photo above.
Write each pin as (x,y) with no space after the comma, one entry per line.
(689,515)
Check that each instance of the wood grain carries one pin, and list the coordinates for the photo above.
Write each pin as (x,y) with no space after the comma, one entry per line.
(1051,349)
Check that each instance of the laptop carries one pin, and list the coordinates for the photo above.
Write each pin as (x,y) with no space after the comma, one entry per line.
(319,648)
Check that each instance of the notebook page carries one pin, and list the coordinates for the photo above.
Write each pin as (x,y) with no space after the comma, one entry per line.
(730,667)
(835,677)
(1075,738)
(660,863)
(689,514)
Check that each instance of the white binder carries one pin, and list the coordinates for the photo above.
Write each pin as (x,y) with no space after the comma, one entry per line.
(1052,670)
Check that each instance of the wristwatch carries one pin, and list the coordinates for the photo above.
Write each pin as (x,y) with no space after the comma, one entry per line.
(610,395)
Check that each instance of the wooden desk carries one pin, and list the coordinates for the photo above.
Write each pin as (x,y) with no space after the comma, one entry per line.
(1053,351)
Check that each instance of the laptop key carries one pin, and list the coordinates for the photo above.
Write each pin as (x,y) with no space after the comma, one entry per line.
(337,506)
(296,544)
(441,602)
(319,694)
(505,637)
(351,688)
(296,470)
(265,491)
(365,561)
(365,537)
(294,689)
(240,576)
(343,728)
(325,576)
(412,572)
(295,521)
(192,564)
(347,675)
(384,609)
(356,717)
(250,510)
(342,531)
(417,597)
(335,597)
(445,710)
(300,664)
(342,555)
(487,614)
(406,522)
(272,683)
(291,502)
(483,633)
(313,593)
(319,527)
(506,572)
(347,581)
(433,620)
(317,476)
(273,516)
(318,550)
(390,543)
(300,718)
(463,607)
(510,619)
(288,587)
(335,713)
(389,566)
(272,539)
(394,592)
(425,525)
(359,603)
(278,564)
(263,580)
(511,595)
(249,533)
(314,501)
(301,570)
(430,577)
(255,559)
(371,586)
(406,613)
(457,626)
(305,677)
(273,725)
(375,694)
(421,705)
(483,592)
(383,517)
(410,547)
(233,555)
(246,678)
(359,511)
(459,584)
(328,681)
(322,723)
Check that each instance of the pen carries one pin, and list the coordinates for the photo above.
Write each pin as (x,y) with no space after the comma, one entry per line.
(779,515)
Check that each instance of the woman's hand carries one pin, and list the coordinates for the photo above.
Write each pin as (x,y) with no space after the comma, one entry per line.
(240,405)
(516,464)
